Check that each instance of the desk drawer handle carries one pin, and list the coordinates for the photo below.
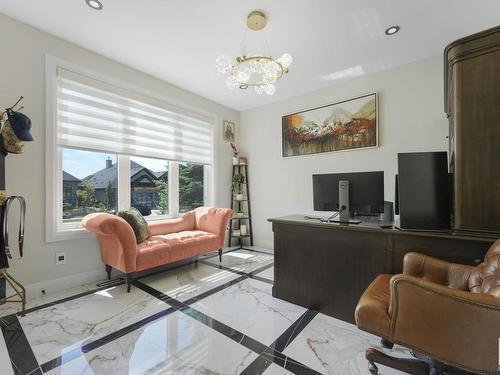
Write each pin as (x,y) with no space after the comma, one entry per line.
(477,260)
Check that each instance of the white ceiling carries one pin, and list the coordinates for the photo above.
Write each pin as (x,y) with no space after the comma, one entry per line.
(178,41)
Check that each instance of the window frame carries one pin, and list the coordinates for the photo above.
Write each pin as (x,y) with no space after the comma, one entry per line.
(55,229)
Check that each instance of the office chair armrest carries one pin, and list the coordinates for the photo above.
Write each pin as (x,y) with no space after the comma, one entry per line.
(452,275)
(457,327)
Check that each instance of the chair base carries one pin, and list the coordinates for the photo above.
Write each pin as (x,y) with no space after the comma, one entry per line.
(423,366)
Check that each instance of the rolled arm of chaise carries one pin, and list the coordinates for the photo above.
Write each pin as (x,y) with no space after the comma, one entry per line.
(213,220)
(116,239)
(453,275)
(457,327)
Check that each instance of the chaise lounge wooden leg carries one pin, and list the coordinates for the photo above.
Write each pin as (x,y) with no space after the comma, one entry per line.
(220,255)
(108,271)
(128,280)
(410,366)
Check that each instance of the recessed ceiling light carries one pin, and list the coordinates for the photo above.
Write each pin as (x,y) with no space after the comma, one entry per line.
(94,4)
(392,30)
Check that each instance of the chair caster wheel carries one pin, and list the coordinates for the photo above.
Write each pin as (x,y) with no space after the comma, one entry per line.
(372,368)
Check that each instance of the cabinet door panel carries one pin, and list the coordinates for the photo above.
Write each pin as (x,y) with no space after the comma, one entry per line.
(479,143)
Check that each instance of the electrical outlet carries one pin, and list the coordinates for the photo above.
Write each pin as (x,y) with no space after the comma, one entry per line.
(61,259)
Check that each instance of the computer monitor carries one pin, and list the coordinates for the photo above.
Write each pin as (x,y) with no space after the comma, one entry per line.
(366,192)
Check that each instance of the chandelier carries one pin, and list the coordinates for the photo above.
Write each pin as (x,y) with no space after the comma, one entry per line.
(257,71)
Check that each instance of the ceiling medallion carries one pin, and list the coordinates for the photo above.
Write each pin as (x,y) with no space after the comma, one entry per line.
(392,30)
(94,4)
(257,71)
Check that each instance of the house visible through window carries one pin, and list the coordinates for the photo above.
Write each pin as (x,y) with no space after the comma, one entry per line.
(116,149)
(149,186)
(89,184)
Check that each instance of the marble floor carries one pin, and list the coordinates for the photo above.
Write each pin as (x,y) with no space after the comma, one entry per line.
(204,318)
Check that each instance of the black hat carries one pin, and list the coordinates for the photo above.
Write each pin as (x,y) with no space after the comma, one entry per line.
(21,124)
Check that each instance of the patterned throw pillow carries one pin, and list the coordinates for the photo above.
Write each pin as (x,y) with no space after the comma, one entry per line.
(137,222)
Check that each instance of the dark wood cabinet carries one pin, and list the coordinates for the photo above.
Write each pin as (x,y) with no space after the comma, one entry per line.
(472,101)
(327,266)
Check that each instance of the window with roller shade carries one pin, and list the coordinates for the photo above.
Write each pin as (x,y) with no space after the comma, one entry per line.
(119,149)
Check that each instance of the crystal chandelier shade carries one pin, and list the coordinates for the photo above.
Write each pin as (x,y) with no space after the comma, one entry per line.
(257,71)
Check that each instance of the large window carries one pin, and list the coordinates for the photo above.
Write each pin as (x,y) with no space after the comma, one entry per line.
(109,148)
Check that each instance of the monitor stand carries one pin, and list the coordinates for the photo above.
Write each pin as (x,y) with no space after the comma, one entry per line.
(344,213)
(344,201)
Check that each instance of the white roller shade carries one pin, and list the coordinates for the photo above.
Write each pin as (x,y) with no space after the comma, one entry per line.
(97,116)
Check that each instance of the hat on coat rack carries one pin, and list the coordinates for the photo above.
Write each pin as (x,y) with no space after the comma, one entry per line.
(21,124)
(15,130)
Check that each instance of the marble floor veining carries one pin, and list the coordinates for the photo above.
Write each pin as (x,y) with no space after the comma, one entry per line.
(332,346)
(253,310)
(243,260)
(56,329)
(205,318)
(189,281)
(175,344)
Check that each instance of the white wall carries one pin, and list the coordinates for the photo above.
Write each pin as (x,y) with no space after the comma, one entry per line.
(411,118)
(23,73)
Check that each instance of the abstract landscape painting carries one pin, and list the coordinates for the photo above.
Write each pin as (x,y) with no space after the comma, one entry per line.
(347,125)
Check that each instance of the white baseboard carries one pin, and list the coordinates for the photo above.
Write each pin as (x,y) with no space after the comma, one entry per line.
(67,282)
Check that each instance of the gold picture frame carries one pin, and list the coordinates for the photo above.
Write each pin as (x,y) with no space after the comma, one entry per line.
(350,124)
(228,131)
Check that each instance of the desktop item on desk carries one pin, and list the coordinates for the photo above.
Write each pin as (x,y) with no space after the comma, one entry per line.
(348,195)
(423,191)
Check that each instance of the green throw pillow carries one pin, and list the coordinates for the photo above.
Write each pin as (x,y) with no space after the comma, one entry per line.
(137,222)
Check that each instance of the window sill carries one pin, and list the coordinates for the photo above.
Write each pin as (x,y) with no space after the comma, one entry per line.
(67,234)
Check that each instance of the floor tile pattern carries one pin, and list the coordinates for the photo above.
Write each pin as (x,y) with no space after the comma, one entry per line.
(205,317)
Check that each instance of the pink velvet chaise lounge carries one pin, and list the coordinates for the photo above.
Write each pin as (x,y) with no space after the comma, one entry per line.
(197,232)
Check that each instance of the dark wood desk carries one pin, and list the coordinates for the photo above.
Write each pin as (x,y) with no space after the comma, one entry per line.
(327,266)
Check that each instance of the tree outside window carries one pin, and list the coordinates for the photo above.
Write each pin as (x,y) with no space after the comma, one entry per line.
(190,186)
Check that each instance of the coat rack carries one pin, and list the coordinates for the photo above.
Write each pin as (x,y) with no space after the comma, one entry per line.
(19,295)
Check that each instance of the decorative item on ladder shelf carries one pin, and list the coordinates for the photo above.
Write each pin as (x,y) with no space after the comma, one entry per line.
(240,227)
(235,154)
(238,181)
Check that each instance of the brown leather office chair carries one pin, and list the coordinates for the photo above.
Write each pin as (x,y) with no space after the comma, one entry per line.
(449,313)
